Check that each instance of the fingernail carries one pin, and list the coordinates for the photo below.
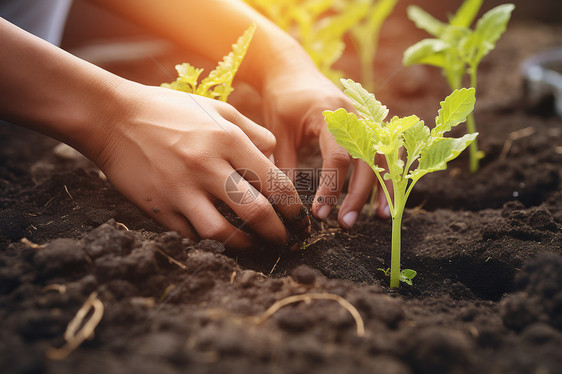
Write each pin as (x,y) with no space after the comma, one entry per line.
(324,211)
(349,219)
(387,211)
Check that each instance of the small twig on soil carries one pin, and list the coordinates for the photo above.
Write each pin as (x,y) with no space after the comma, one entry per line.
(60,288)
(274,265)
(74,335)
(232,276)
(30,244)
(172,260)
(119,224)
(166,292)
(515,135)
(68,192)
(315,296)
(49,201)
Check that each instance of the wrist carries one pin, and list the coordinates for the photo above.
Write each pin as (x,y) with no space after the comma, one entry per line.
(285,60)
(99,116)
(87,110)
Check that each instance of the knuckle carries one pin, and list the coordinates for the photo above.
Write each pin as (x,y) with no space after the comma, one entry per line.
(233,134)
(197,158)
(225,109)
(269,142)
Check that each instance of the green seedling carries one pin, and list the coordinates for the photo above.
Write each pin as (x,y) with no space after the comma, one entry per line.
(457,49)
(427,150)
(406,275)
(218,84)
(317,25)
(365,33)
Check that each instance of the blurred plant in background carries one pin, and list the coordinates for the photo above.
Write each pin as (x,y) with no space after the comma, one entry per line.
(321,26)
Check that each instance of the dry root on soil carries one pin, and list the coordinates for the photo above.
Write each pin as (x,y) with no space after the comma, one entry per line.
(74,335)
(307,298)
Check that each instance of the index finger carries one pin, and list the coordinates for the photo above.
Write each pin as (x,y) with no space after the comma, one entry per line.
(277,187)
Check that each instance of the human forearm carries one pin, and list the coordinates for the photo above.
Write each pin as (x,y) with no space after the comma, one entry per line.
(50,91)
(209,27)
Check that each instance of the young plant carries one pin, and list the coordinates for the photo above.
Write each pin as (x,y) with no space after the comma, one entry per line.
(427,150)
(365,34)
(406,275)
(317,26)
(218,84)
(457,49)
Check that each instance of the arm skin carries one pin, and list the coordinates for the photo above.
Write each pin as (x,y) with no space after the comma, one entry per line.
(138,135)
(294,92)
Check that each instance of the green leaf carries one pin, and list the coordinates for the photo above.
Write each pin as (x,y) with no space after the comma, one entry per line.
(406,276)
(439,152)
(353,135)
(415,139)
(218,85)
(188,74)
(227,68)
(385,271)
(397,125)
(466,13)
(426,21)
(454,110)
(187,78)
(325,43)
(365,102)
(427,51)
(491,27)
(380,11)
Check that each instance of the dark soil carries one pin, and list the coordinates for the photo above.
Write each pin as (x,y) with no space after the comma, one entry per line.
(487,249)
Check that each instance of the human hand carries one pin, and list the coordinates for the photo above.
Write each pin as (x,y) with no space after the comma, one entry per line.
(171,154)
(293,106)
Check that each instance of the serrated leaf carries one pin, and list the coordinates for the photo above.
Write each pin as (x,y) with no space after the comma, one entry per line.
(397,125)
(454,110)
(491,26)
(426,21)
(365,103)
(218,85)
(187,78)
(352,134)
(227,68)
(415,139)
(466,13)
(439,152)
(427,51)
